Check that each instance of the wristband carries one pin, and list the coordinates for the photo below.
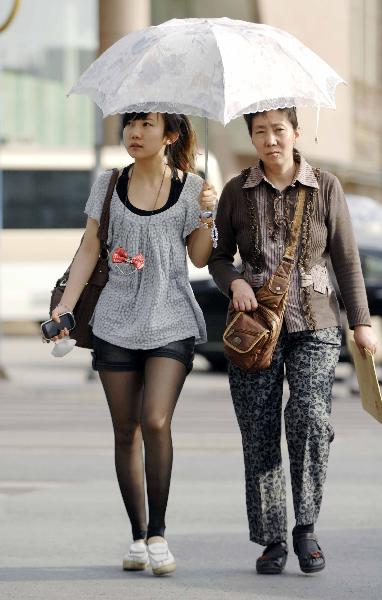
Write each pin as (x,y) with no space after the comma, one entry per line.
(210,224)
(206,214)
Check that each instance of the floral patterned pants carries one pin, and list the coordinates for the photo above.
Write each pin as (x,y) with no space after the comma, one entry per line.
(310,358)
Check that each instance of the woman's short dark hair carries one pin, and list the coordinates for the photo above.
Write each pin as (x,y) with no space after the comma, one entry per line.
(290,113)
(181,153)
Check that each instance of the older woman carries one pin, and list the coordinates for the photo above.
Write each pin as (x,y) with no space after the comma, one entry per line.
(255,213)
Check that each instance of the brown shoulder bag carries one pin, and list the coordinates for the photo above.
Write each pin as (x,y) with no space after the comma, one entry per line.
(250,337)
(88,299)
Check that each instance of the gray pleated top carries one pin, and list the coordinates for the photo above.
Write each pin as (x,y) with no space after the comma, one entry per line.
(154,306)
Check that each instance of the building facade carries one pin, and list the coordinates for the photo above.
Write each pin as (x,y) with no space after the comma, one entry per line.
(49,142)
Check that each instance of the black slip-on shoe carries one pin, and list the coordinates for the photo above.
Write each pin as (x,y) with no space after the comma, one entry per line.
(309,554)
(273,559)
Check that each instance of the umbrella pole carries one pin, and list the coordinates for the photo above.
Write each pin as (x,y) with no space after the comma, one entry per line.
(205,148)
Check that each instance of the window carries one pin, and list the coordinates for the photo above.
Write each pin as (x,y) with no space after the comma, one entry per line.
(42,54)
(45,199)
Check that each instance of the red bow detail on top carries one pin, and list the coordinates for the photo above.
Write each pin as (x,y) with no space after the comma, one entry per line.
(119,255)
(138,261)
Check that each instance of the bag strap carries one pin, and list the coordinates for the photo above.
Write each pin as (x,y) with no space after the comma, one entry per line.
(290,251)
(283,273)
(103,230)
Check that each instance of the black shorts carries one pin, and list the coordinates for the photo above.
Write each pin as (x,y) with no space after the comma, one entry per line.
(108,357)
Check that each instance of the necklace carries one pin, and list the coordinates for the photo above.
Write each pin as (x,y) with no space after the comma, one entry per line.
(120,255)
(159,191)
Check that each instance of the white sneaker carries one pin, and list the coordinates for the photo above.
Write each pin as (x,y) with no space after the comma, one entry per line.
(161,559)
(137,558)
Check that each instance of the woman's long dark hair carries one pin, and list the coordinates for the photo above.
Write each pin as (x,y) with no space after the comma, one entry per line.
(181,153)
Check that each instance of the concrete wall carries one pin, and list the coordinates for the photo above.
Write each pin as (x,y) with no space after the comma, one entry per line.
(116,19)
(324,26)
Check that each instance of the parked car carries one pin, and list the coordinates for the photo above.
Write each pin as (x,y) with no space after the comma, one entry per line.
(366,216)
(214,306)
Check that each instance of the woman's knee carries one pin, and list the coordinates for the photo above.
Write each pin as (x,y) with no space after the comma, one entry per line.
(155,426)
(127,435)
(303,424)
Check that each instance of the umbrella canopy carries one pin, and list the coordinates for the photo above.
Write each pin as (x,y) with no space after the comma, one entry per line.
(214,68)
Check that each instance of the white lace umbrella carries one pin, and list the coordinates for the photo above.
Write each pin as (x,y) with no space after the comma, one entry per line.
(214,68)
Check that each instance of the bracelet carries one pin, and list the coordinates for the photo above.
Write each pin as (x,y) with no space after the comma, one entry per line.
(206,224)
(206,214)
(210,224)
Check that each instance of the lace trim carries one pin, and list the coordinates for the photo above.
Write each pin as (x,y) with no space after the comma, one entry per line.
(318,278)
(306,251)
(214,113)
(256,258)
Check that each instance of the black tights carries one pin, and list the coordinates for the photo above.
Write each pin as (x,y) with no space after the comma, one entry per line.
(141,405)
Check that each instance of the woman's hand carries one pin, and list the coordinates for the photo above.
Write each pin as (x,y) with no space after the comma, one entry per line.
(208,197)
(56,312)
(243,296)
(364,337)
(81,268)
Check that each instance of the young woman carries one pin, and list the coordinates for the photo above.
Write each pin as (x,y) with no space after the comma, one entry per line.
(255,213)
(147,320)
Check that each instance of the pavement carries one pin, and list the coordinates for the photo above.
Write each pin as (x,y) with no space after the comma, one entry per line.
(63,526)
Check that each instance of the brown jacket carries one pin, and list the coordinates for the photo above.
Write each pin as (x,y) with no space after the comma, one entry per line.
(326,234)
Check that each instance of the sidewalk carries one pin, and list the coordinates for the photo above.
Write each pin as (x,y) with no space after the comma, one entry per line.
(64,529)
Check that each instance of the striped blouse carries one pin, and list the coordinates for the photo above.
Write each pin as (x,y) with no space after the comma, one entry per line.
(273,233)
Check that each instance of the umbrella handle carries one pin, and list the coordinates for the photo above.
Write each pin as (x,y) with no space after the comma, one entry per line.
(317,122)
(205,148)
(214,231)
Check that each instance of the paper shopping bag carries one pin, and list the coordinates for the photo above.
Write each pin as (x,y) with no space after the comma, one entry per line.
(368,382)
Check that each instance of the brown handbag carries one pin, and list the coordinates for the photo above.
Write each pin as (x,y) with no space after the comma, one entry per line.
(88,299)
(250,338)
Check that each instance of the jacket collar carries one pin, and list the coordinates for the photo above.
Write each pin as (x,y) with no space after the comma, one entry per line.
(305,174)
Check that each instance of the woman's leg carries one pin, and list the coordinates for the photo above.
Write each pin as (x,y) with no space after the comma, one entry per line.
(257,399)
(124,396)
(164,379)
(311,358)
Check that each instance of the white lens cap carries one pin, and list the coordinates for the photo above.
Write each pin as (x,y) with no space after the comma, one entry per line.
(63,347)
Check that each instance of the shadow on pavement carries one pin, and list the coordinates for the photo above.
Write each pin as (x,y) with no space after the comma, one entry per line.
(227,565)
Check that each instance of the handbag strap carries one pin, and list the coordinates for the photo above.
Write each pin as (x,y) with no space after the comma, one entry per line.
(290,251)
(103,227)
(283,272)
(103,230)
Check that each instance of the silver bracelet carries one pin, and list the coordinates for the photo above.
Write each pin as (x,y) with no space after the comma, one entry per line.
(214,235)
(206,214)
(213,228)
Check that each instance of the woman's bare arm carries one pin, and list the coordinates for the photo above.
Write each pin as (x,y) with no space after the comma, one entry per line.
(81,269)
(199,244)
(199,247)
